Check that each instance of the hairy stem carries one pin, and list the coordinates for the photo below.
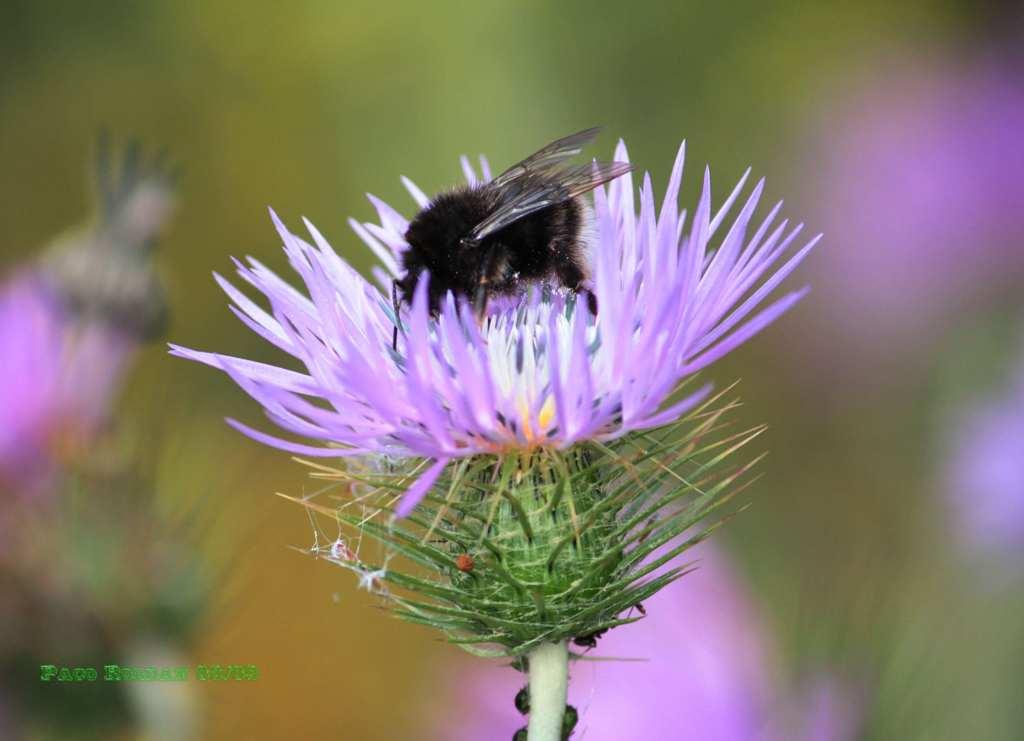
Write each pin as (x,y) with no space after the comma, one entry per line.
(549,685)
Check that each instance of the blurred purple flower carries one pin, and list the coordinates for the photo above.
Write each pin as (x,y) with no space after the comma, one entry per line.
(30,344)
(542,370)
(57,382)
(70,324)
(985,479)
(707,673)
(921,177)
(95,359)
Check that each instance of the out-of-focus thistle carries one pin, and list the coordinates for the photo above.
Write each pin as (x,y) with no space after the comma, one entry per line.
(70,323)
(533,472)
(96,570)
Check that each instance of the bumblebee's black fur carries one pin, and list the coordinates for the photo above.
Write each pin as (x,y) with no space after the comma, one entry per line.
(522,227)
(544,245)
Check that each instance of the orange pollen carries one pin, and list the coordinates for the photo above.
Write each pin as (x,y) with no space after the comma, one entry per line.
(547,413)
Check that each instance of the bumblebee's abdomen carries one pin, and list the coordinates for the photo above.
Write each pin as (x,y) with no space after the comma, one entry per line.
(541,243)
(544,245)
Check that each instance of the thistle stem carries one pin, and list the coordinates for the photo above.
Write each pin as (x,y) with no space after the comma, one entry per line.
(549,686)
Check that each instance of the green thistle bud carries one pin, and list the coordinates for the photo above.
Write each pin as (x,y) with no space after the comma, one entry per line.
(509,552)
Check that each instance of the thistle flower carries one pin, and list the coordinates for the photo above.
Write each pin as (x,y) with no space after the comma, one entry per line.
(542,465)
(543,372)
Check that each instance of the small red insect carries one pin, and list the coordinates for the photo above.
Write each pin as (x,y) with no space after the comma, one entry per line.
(464,563)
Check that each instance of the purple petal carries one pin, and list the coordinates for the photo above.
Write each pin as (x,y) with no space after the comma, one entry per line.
(415,493)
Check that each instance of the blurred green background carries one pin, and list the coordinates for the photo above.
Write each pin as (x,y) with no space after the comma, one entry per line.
(306,106)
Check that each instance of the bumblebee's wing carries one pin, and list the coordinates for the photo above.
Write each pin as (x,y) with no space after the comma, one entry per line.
(548,157)
(530,192)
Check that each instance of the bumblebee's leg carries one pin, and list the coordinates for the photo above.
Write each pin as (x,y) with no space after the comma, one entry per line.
(480,299)
(572,277)
(397,308)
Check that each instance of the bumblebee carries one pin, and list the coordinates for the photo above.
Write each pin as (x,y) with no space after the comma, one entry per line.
(494,239)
